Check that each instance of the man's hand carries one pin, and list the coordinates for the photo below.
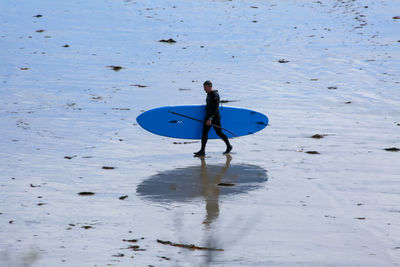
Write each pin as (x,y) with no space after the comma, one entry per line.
(208,123)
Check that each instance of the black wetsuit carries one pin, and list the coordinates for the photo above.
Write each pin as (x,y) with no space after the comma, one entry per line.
(212,113)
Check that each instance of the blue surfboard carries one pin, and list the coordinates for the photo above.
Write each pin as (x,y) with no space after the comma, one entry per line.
(186,122)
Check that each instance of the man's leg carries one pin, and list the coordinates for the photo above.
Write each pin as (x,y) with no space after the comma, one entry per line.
(204,139)
(219,132)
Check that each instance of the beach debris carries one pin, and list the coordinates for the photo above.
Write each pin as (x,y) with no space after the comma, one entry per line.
(185,143)
(318,136)
(41,30)
(119,255)
(169,41)
(283,61)
(332,87)
(66,45)
(312,152)
(38,16)
(87,227)
(191,246)
(69,157)
(86,193)
(314,79)
(41,204)
(11,222)
(348,102)
(121,109)
(184,89)
(97,98)
(165,258)
(130,240)
(23,68)
(396,17)
(393,149)
(115,68)
(22,124)
(139,85)
(33,186)
(123,197)
(108,168)
(226,184)
(360,218)
(136,248)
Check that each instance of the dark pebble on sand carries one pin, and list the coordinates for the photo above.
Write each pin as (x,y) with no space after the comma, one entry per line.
(332,87)
(87,227)
(317,136)
(312,152)
(396,17)
(108,168)
(86,193)
(115,68)
(41,30)
(139,85)
(130,240)
(283,61)
(393,149)
(118,255)
(170,41)
(65,45)
(226,184)
(123,197)
(38,16)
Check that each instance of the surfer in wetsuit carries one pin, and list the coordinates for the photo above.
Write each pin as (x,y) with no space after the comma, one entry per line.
(213,118)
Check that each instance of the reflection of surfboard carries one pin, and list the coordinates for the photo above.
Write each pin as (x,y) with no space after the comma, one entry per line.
(184,184)
(187,121)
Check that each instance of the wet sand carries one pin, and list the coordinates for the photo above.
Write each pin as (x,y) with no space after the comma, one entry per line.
(81,184)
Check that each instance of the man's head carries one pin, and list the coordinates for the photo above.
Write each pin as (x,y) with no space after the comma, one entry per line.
(207,85)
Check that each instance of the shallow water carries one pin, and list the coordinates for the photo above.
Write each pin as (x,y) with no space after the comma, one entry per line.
(65,114)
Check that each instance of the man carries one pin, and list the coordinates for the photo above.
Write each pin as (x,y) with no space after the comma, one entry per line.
(212,118)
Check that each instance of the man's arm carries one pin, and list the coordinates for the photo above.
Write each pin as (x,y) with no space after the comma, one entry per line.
(214,109)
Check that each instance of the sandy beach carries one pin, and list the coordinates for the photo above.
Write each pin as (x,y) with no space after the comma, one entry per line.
(82,184)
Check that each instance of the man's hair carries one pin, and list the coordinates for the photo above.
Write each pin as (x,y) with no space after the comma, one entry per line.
(207,83)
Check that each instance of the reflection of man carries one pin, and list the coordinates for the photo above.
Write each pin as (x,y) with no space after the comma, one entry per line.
(212,118)
(211,189)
